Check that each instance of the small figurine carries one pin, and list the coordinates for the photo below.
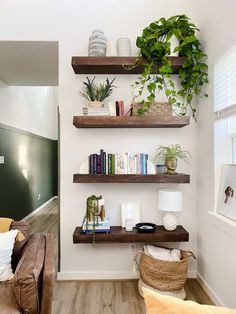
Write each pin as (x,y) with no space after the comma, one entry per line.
(229,192)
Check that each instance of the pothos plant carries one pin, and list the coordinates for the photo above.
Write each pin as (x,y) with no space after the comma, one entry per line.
(92,213)
(155,47)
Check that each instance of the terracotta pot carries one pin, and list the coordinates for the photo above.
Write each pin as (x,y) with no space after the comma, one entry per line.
(171,165)
(95,104)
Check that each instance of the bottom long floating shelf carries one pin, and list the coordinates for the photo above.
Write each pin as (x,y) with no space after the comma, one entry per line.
(132,178)
(120,235)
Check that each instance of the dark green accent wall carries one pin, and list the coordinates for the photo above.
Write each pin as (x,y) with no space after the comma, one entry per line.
(23,178)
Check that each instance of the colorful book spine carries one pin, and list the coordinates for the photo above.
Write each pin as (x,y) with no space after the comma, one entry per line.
(95,163)
(121,108)
(101,157)
(113,164)
(104,162)
(99,164)
(117,108)
(109,163)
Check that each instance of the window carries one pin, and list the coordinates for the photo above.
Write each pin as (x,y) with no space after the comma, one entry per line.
(225,117)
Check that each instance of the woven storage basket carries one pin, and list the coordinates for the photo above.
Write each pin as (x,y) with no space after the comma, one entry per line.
(164,275)
(156,109)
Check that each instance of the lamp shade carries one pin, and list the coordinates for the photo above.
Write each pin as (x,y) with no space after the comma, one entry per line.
(169,200)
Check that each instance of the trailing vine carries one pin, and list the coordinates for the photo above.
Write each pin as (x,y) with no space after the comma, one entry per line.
(154,44)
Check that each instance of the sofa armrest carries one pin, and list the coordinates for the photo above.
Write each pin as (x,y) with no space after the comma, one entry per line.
(48,276)
(28,275)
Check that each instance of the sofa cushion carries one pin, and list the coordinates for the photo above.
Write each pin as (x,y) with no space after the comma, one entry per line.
(24,227)
(7,240)
(28,275)
(8,303)
(162,304)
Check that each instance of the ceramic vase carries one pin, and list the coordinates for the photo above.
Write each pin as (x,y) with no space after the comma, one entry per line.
(173,44)
(123,46)
(171,165)
(97,44)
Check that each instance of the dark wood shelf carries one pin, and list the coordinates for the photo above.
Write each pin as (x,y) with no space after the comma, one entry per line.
(131,122)
(131,178)
(115,65)
(120,235)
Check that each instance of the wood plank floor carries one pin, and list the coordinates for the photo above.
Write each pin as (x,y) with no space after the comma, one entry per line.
(98,297)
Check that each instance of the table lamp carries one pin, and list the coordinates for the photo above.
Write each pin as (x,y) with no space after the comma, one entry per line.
(169,201)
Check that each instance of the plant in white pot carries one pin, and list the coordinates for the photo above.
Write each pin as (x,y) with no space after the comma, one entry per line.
(96,93)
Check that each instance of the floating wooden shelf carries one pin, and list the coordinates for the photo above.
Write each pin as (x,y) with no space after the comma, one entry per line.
(115,65)
(131,178)
(120,235)
(131,122)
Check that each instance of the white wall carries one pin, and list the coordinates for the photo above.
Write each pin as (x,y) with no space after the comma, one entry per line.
(216,239)
(71,24)
(31,109)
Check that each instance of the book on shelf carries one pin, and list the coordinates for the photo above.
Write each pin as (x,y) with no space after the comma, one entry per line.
(113,108)
(98,227)
(95,111)
(118,163)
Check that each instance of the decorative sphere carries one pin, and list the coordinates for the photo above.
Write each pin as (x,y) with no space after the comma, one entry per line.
(169,221)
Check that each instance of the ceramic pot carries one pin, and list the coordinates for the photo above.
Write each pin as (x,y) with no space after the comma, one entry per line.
(173,44)
(123,46)
(95,104)
(97,43)
(171,165)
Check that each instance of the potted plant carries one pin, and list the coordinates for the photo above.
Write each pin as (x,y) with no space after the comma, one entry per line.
(92,213)
(155,47)
(170,154)
(96,93)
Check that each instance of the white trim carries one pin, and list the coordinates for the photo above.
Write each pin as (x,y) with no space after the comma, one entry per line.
(225,224)
(225,112)
(209,291)
(104,275)
(38,209)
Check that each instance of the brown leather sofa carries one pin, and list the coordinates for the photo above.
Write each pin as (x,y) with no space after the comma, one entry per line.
(31,289)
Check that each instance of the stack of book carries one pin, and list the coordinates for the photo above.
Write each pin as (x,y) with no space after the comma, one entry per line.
(119,163)
(95,111)
(114,108)
(99,227)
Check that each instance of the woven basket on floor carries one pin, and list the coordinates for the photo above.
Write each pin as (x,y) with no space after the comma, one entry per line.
(164,275)
(156,109)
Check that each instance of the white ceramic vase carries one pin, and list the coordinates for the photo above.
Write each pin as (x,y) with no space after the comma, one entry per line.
(97,43)
(173,44)
(123,46)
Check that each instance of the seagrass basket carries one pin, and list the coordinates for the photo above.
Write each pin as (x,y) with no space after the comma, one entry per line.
(164,275)
(160,108)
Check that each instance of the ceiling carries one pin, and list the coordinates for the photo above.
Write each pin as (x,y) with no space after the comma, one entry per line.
(29,63)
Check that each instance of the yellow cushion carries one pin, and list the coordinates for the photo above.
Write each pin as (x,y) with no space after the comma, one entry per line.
(162,304)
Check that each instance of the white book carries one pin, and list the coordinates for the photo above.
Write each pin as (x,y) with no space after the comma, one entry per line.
(131,163)
(122,163)
(112,108)
(116,168)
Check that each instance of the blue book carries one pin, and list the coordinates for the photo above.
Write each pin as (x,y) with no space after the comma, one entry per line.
(102,163)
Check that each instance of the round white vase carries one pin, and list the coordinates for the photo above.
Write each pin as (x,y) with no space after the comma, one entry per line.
(169,221)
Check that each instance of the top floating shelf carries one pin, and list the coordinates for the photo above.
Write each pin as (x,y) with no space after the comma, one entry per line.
(115,65)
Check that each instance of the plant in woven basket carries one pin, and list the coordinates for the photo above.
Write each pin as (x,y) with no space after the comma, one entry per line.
(170,154)
(94,92)
(155,47)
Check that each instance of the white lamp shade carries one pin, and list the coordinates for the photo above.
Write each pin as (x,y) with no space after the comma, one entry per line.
(169,200)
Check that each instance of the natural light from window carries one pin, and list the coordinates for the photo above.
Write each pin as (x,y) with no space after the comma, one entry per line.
(225,131)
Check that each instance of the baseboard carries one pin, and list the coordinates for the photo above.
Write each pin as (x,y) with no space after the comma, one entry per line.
(209,291)
(104,275)
(99,275)
(38,209)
